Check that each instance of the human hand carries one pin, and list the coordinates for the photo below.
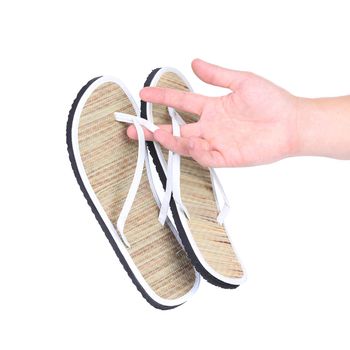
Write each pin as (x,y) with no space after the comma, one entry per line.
(255,123)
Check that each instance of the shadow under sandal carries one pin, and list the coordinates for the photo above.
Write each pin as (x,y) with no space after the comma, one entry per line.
(113,174)
(193,193)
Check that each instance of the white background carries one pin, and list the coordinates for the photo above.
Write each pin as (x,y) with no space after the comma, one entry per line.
(61,286)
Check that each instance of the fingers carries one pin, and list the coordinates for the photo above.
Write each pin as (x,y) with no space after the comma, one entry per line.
(190,144)
(131,132)
(219,76)
(197,148)
(187,130)
(178,145)
(183,100)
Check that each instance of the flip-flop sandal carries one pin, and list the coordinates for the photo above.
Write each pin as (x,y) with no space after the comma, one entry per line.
(199,208)
(110,172)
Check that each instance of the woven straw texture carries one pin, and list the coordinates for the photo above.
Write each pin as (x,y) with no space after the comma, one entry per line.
(198,197)
(109,159)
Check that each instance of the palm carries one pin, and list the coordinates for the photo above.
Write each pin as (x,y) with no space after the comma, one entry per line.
(252,125)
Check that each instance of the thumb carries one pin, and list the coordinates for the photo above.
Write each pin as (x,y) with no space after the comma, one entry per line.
(219,76)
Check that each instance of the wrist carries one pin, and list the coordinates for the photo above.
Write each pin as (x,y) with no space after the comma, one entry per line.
(323,127)
(306,126)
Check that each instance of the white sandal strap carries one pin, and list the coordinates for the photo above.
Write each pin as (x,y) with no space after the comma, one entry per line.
(175,178)
(173,173)
(137,174)
(128,118)
(225,209)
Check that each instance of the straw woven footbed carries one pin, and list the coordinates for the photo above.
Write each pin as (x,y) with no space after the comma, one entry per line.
(198,197)
(109,159)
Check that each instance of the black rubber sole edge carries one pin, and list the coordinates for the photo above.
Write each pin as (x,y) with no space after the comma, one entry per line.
(183,236)
(93,208)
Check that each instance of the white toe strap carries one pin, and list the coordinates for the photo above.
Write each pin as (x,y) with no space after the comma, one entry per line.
(173,177)
(173,173)
(225,209)
(137,174)
(138,122)
(128,118)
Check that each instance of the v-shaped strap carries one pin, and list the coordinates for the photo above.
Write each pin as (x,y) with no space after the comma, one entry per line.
(136,179)
(173,173)
(174,183)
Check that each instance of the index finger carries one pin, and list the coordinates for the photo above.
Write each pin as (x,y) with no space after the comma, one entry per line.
(182,100)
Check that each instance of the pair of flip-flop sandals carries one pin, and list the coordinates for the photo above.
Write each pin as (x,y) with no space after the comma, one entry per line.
(164,220)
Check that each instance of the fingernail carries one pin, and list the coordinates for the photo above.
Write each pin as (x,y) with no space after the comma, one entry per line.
(143,92)
(129,132)
(198,60)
